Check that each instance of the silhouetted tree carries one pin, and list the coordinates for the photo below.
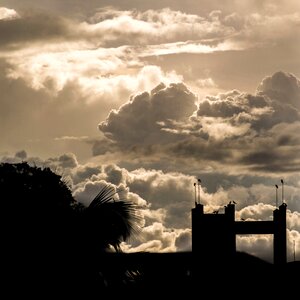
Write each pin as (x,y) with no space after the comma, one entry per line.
(110,220)
(52,239)
(107,222)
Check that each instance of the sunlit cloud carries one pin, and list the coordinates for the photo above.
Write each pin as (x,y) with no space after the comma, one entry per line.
(8,14)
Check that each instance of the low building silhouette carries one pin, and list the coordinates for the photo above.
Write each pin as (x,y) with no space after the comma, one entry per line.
(214,235)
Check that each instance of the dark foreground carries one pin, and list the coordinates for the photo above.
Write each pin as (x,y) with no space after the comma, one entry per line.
(150,275)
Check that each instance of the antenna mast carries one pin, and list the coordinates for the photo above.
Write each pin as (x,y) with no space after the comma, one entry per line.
(199,184)
(282,183)
(276,195)
(195,194)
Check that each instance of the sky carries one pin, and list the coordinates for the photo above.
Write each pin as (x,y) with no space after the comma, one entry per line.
(149,96)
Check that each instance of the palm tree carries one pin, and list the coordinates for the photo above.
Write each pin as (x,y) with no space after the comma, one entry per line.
(107,222)
(111,220)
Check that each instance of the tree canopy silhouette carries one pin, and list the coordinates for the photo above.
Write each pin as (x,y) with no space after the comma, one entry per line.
(33,188)
(54,239)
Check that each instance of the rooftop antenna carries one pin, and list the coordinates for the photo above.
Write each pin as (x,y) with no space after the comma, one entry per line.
(195,193)
(276,195)
(282,183)
(199,184)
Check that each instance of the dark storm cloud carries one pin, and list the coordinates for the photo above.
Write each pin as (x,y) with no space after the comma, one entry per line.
(140,121)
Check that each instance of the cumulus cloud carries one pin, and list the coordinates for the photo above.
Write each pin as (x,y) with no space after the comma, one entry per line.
(167,122)
(258,245)
(262,245)
(260,212)
(141,119)
(184,240)
(169,200)
(157,238)
(259,111)
(86,192)
(67,160)
(171,191)
(266,121)
(293,220)
(283,87)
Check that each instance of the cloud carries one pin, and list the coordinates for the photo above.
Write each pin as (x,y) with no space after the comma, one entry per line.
(167,122)
(167,31)
(153,26)
(262,245)
(168,195)
(46,113)
(103,72)
(186,47)
(258,245)
(184,240)
(19,31)
(67,160)
(266,121)
(170,191)
(259,111)
(105,54)
(89,179)
(260,212)
(157,238)
(114,42)
(140,120)
(293,220)
(21,154)
(8,14)
(87,191)
(283,87)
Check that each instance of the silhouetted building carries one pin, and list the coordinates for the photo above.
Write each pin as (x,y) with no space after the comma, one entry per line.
(214,235)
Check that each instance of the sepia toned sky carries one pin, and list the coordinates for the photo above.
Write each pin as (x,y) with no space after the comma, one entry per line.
(150,96)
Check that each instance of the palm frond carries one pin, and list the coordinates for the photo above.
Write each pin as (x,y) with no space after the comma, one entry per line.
(105,195)
(112,220)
